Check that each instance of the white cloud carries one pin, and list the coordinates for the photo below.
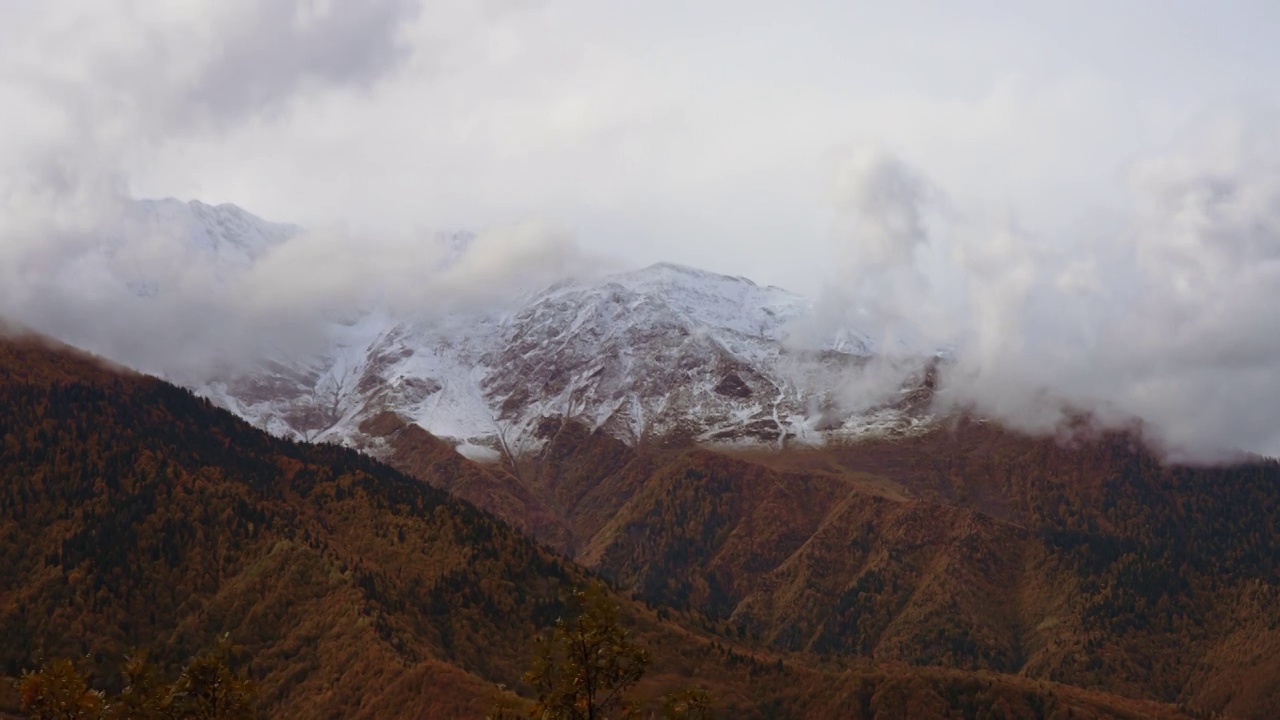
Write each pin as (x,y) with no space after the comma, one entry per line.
(1167,317)
(1018,218)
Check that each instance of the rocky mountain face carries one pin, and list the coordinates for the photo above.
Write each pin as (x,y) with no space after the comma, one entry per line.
(662,354)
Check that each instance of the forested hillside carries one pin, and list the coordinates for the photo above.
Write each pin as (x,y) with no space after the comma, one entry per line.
(1089,562)
(135,515)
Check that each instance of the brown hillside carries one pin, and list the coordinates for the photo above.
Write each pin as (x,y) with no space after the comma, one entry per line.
(1089,562)
(133,514)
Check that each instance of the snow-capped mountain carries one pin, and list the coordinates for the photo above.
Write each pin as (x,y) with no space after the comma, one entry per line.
(657,354)
(222,239)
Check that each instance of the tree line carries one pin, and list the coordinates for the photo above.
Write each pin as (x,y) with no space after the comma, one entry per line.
(583,669)
(206,689)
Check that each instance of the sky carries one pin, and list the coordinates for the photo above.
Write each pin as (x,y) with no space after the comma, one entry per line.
(1083,196)
(704,132)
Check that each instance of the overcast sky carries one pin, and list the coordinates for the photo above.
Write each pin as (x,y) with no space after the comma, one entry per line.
(1083,197)
(702,132)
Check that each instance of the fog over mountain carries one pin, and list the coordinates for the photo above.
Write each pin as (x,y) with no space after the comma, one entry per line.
(1092,227)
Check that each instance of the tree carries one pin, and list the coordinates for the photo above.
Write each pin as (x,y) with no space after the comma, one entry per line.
(143,697)
(689,704)
(207,689)
(583,668)
(59,692)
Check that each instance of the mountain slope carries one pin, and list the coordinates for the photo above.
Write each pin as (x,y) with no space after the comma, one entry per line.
(134,514)
(969,547)
(660,354)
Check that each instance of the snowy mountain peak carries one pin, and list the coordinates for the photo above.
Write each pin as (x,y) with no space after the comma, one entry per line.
(651,355)
(676,273)
(671,277)
(710,300)
(666,351)
(224,230)
(151,240)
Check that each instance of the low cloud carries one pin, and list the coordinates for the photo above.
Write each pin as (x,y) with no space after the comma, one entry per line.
(1161,310)
(145,283)
(1165,321)
(151,288)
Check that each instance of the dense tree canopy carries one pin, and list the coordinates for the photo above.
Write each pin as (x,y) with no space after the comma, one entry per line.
(206,689)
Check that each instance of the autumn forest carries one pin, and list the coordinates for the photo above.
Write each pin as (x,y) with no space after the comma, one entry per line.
(968,573)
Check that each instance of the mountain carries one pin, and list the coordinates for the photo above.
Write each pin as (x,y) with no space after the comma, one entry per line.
(137,515)
(666,353)
(134,514)
(152,241)
(968,545)
(662,354)
(667,429)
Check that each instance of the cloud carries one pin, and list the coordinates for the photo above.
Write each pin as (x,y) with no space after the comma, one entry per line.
(268,52)
(165,67)
(191,291)
(128,78)
(1165,319)
(889,199)
(420,276)
(1040,215)
(143,283)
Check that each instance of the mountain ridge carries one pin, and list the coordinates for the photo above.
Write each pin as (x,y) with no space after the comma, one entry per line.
(663,351)
(133,513)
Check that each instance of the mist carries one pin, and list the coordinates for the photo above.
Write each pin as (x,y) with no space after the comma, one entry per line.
(1162,321)
(1075,232)
(86,261)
